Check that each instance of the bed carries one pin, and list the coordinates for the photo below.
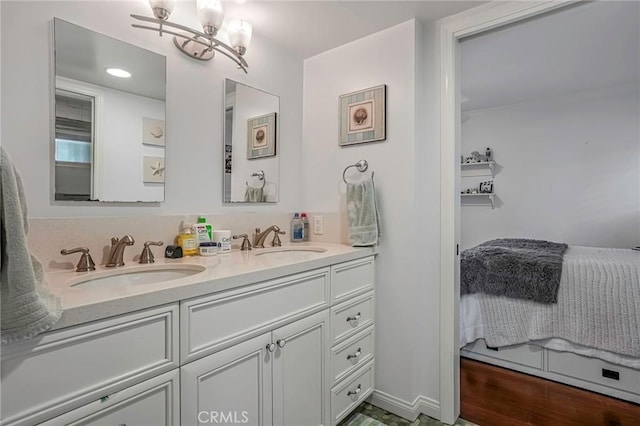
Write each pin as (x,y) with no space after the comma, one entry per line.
(593,323)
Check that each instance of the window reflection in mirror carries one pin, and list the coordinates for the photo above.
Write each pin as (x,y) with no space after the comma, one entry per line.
(109,118)
(251,145)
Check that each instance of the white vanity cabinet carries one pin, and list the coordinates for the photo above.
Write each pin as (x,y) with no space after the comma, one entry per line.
(153,402)
(278,378)
(62,370)
(290,351)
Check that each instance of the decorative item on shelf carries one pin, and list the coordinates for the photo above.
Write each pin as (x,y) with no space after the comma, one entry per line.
(363,116)
(201,45)
(261,136)
(488,155)
(486,187)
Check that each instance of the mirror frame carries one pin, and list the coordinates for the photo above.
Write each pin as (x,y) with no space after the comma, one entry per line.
(224,132)
(98,123)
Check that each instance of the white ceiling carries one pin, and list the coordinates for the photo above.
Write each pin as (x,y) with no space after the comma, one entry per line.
(312,27)
(588,46)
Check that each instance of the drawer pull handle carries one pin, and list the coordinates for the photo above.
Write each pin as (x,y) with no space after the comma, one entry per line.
(271,347)
(356,355)
(610,374)
(356,317)
(281,343)
(354,392)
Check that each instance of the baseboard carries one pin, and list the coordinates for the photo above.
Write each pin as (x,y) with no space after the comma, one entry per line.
(402,408)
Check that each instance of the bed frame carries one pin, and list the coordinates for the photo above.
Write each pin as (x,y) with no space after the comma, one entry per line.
(565,367)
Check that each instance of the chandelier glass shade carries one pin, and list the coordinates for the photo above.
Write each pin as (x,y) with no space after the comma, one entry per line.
(200,45)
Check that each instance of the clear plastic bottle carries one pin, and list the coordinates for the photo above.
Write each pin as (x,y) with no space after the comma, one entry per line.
(305,226)
(297,229)
(187,240)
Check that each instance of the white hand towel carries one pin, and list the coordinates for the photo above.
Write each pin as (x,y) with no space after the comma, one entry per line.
(362,214)
(28,307)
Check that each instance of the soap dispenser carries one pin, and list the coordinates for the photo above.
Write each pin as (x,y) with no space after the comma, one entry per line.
(187,240)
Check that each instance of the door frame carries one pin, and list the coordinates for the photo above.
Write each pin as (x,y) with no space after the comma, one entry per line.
(450,30)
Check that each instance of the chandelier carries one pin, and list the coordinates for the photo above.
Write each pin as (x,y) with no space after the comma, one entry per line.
(201,45)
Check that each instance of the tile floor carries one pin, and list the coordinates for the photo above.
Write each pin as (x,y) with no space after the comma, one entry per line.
(393,420)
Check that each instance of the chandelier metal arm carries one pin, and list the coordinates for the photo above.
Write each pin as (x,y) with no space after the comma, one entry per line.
(207,44)
(232,54)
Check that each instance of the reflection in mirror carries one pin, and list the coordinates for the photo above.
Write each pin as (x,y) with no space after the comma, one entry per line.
(109,118)
(251,145)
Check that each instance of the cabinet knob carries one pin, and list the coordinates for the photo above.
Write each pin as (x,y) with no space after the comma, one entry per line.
(356,317)
(355,355)
(281,343)
(354,392)
(271,347)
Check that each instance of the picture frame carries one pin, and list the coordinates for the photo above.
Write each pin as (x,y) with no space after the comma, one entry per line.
(261,136)
(153,131)
(152,169)
(363,116)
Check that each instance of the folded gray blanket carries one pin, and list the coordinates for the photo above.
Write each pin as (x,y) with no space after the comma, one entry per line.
(513,267)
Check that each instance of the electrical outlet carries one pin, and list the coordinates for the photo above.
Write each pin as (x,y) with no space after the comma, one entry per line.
(318,225)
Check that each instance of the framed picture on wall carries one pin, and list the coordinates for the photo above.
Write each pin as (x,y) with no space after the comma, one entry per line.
(261,136)
(363,116)
(152,131)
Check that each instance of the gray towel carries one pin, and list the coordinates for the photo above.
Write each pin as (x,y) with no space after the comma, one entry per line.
(362,214)
(253,195)
(28,307)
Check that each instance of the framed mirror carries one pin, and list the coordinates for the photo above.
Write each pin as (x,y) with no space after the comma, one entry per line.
(109,118)
(251,144)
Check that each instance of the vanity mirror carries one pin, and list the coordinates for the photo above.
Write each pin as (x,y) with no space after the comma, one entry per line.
(251,144)
(109,118)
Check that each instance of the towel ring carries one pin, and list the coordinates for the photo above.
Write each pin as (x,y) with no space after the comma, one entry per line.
(361,165)
(260,175)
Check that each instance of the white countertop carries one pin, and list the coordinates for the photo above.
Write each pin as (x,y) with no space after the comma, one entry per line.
(223,272)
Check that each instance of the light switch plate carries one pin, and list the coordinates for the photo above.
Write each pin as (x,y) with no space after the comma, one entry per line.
(318,225)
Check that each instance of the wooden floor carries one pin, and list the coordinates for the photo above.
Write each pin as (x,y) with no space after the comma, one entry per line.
(492,395)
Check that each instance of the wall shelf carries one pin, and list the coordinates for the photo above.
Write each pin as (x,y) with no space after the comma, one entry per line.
(490,196)
(485,168)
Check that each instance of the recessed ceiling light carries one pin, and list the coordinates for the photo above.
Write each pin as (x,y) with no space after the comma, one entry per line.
(117,72)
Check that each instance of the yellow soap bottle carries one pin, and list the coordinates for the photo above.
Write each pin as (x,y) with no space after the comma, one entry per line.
(187,240)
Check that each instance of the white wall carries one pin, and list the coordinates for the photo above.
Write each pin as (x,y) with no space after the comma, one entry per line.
(194,107)
(407,292)
(569,169)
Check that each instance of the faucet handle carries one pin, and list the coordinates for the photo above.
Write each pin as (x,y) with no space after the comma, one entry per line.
(276,238)
(246,244)
(85,263)
(147,256)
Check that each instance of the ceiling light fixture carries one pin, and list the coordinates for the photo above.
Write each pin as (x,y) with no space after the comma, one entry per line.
(118,72)
(201,45)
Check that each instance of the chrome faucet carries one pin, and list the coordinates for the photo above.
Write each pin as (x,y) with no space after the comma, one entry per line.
(117,250)
(259,237)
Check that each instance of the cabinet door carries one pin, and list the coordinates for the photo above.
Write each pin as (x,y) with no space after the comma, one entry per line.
(300,372)
(232,386)
(153,402)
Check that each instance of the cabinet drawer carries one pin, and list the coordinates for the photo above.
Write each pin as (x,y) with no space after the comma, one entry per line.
(153,402)
(351,392)
(351,278)
(528,355)
(351,354)
(352,316)
(62,370)
(212,323)
(594,370)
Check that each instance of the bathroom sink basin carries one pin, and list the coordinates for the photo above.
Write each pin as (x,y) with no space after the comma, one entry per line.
(148,274)
(293,252)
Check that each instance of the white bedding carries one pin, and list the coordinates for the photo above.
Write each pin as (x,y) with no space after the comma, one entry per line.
(585,269)
(472,329)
